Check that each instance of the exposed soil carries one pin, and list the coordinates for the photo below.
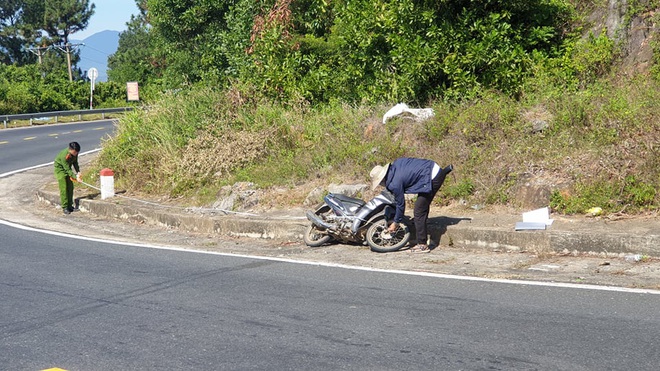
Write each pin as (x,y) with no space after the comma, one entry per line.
(19,205)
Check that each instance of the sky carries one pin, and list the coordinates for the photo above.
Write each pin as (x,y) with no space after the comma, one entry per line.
(108,15)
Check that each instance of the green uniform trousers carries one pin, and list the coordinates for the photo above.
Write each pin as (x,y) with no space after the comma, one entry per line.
(66,191)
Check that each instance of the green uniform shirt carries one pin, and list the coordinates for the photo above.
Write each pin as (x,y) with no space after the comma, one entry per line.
(63,163)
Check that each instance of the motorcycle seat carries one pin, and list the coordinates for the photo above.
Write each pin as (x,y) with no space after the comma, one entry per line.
(349,205)
(348,199)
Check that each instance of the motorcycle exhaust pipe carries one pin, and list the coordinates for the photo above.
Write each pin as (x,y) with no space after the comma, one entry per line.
(318,221)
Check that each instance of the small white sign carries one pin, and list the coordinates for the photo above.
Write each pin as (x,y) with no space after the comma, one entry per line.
(132,91)
(92,74)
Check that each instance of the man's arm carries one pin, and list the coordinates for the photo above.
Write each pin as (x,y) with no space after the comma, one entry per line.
(399,198)
(75,165)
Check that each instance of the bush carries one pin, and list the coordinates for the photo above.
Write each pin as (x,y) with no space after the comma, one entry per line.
(25,90)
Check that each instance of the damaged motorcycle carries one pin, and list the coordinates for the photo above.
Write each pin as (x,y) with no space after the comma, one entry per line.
(352,220)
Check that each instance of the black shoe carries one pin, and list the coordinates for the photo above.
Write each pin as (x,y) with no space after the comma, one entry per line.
(66,211)
(71,209)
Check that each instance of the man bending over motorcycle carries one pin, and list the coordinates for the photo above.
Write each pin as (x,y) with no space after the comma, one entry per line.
(411,176)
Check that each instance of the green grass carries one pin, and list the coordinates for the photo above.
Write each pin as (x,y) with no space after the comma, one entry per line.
(599,147)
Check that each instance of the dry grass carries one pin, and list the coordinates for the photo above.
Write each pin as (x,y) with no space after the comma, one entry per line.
(598,148)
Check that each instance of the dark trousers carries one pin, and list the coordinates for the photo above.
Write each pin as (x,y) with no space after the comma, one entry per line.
(423,204)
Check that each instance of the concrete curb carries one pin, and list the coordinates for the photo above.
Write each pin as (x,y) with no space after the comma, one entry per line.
(494,233)
(554,241)
(229,225)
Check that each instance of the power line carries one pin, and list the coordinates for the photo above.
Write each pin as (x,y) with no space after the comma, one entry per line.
(100,51)
(67,50)
(39,51)
(91,60)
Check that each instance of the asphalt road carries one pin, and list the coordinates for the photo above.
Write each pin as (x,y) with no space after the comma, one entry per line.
(90,305)
(83,305)
(36,145)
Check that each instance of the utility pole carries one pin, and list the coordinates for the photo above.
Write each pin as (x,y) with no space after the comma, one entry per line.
(68,49)
(40,51)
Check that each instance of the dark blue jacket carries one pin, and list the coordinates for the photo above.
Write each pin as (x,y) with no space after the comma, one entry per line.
(408,176)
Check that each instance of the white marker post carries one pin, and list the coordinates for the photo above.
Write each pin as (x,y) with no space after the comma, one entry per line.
(92,74)
(107,183)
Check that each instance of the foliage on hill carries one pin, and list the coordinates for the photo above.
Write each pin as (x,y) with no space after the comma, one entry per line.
(352,51)
(282,92)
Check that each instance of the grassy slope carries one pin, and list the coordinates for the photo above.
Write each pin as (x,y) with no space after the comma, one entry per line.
(599,145)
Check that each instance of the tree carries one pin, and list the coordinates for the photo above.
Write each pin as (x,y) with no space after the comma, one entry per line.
(135,58)
(10,43)
(63,18)
(189,35)
(357,50)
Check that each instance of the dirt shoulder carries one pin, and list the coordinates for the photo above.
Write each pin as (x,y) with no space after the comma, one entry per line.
(18,204)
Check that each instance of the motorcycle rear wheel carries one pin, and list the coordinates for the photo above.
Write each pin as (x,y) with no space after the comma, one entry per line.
(313,237)
(381,241)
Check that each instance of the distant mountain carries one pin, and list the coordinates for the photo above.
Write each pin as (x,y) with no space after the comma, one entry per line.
(96,51)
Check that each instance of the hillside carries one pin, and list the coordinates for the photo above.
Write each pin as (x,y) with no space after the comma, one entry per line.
(582,132)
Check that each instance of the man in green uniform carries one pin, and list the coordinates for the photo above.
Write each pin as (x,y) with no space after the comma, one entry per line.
(67,158)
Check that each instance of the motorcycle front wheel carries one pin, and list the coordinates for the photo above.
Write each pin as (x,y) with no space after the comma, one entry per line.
(380,240)
(313,237)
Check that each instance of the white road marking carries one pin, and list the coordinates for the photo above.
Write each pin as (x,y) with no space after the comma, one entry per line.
(331,265)
(42,165)
(335,265)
